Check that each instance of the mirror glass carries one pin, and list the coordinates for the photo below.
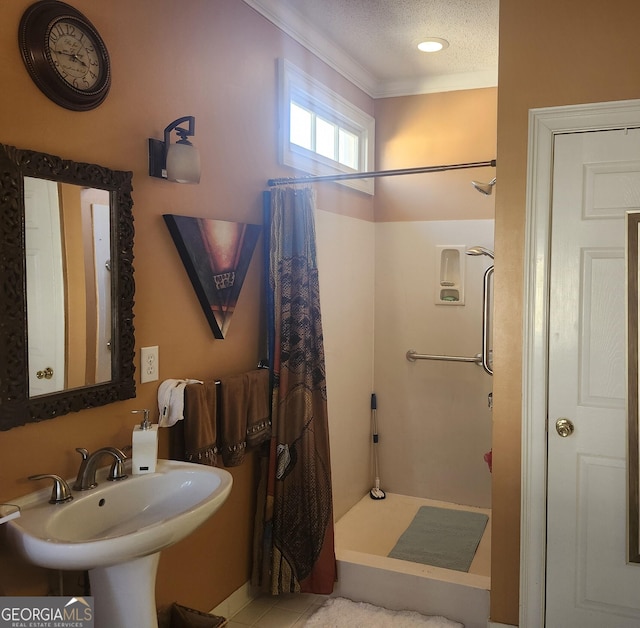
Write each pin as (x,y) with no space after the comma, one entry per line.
(66,284)
(69,318)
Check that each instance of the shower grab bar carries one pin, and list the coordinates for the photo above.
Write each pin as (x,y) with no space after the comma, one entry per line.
(481,359)
(486,319)
(412,356)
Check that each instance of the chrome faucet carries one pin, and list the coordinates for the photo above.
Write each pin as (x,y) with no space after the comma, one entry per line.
(87,473)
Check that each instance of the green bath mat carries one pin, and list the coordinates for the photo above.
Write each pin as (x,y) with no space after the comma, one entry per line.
(441,537)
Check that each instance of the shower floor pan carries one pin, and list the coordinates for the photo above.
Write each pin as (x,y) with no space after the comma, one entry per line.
(366,534)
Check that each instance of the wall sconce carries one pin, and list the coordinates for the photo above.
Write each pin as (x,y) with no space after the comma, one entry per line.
(179,162)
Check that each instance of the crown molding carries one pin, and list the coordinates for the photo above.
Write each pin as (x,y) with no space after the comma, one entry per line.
(436,84)
(294,25)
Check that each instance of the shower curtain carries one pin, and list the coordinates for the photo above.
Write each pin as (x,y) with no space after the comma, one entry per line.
(294,545)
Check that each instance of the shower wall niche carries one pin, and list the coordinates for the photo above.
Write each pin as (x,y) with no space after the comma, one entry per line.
(449,280)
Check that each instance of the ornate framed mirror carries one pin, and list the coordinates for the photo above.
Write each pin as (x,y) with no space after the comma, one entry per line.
(66,286)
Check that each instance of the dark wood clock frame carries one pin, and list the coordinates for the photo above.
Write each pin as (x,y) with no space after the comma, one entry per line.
(33,37)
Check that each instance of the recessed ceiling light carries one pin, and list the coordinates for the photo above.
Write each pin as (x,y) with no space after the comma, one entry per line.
(433,44)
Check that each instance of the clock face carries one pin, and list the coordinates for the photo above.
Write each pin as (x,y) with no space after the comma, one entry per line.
(74,55)
(65,55)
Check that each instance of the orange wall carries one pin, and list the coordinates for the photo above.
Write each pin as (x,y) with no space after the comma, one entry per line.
(433,130)
(551,53)
(216,61)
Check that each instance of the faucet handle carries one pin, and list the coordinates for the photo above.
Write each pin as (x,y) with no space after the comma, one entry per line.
(83,452)
(60,492)
(116,472)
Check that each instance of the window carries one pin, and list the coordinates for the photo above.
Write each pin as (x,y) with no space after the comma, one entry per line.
(322,133)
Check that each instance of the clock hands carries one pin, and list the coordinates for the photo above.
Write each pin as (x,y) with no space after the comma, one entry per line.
(74,56)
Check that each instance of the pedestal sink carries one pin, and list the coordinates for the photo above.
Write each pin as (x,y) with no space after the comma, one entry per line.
(117,530)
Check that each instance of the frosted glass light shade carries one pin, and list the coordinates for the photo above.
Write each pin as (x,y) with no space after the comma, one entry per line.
(183,163)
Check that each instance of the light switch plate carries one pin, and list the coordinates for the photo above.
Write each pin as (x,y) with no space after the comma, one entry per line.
(149,366)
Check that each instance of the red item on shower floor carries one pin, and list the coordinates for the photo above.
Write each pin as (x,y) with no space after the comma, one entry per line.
(488,458)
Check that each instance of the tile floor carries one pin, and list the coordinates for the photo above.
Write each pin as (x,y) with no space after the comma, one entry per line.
(282,611)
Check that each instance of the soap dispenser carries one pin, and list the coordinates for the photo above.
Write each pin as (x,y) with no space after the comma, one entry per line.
(144,445)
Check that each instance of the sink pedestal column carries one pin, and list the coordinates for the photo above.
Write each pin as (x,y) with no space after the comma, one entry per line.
(124,595)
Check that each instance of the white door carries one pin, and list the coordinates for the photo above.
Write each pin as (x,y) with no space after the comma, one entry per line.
(596,179)
(45,287)
(102,257)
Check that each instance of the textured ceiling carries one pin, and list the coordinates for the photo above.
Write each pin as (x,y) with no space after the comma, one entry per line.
(373,42)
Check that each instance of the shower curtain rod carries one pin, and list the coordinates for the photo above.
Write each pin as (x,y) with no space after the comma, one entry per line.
(379,173)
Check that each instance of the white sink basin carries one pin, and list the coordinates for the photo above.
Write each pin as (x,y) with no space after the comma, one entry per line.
(117,530)
(118,521)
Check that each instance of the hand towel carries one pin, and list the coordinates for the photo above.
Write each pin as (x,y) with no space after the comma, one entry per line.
(244,414)
(259,407)
(200,424)
(171,400)
(233,419)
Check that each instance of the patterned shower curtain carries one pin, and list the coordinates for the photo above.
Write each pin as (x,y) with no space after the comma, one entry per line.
(294,545)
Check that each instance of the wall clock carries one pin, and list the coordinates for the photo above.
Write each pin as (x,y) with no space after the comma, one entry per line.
(65,55)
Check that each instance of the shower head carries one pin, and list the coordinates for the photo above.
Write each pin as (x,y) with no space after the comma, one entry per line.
(484,188)
(479,250)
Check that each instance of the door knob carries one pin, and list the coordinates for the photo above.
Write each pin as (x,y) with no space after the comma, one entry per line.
(564,427)
(46,374)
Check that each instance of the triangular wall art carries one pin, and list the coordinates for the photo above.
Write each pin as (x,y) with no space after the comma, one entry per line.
(216,255)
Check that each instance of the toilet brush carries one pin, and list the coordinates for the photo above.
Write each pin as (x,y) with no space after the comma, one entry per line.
(376,492)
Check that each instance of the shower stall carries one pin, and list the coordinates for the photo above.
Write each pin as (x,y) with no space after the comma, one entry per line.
(377,283)
(383,295)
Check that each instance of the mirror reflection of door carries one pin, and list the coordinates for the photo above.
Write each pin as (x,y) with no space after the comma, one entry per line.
(102,254)
(68,285)
(45,287)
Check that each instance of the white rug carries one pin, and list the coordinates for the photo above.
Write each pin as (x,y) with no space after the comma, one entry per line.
(338,612)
